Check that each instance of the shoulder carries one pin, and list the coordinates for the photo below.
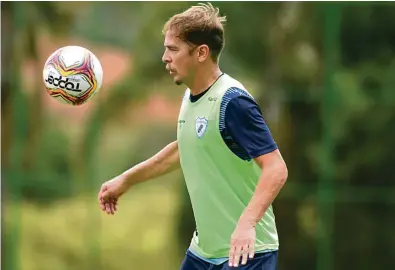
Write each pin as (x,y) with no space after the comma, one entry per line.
(238,108)
(232,88)
(237,98)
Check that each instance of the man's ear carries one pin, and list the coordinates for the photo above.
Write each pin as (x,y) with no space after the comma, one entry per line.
(203,52)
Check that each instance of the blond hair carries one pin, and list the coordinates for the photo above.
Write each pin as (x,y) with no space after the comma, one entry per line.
(199,25)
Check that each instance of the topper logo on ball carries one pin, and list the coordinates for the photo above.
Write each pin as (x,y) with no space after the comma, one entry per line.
(64,84)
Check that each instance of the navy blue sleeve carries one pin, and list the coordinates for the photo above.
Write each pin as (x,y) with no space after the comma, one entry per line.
(246,126)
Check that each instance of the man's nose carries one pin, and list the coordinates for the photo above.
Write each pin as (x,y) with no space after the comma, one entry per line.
(166,59)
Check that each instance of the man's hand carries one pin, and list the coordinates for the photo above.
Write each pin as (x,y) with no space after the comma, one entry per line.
(242,244)
(109,194)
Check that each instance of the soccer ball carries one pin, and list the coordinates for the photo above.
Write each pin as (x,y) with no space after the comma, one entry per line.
(72,75)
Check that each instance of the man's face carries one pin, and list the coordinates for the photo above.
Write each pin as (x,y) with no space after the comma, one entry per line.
(179,57)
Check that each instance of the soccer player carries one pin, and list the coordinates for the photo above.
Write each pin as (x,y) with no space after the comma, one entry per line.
(232,166)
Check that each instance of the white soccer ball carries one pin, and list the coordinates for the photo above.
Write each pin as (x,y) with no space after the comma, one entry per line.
(73,75)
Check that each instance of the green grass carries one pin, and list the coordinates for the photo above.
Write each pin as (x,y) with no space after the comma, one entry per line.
(140,236)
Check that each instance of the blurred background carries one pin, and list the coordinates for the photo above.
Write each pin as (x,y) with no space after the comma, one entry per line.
(323,73)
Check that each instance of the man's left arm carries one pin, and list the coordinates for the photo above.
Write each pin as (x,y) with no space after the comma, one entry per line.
(273,177)
(245,124)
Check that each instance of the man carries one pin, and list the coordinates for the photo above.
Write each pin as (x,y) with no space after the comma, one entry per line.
(232,166)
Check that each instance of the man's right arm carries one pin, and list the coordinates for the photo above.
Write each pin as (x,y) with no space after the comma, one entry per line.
(165,161)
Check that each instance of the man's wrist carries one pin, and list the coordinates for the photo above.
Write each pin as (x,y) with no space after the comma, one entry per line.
(247,220)
(125,179)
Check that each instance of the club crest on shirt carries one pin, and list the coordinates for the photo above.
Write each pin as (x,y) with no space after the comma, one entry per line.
(201,126)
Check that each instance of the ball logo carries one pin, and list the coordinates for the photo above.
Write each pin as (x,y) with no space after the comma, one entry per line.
(63,84)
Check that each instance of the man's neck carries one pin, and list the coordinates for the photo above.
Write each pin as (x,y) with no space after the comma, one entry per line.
(204,79)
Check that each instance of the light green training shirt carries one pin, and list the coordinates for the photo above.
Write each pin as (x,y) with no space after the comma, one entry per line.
(220,184)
